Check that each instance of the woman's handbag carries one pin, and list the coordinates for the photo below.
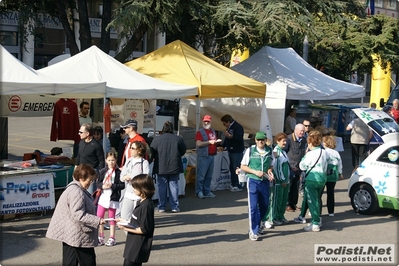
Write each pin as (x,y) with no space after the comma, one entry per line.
(96,195)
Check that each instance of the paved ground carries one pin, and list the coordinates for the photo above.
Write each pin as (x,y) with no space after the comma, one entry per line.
(205,232)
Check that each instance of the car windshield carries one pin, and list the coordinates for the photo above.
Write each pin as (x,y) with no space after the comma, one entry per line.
(394,95)
(384,126)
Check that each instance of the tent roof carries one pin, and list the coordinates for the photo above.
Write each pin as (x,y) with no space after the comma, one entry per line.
(177,62)
(94,65)
(303,81)
(18,78)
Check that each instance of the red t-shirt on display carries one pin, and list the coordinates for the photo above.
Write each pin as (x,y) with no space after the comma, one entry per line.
(65,124)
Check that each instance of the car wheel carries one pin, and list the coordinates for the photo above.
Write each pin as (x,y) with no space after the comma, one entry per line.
(364,199)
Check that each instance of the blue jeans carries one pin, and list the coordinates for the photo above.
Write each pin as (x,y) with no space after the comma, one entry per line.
(204,174)
(168,183)
(235,161)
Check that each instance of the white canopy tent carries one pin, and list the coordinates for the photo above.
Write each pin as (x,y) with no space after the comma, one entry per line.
(287,76)
(121,81)
(304,82)
(287,73)
(16,78)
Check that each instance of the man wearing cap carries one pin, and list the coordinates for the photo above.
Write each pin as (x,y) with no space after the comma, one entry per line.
(130,128)
(234,144)
(258,164)
(206,143)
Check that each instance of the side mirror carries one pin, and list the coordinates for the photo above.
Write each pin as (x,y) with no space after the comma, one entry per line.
(382,102)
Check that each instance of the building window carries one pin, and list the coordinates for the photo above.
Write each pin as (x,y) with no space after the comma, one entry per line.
(378,3)
(8,38)
(392,4)
(39,39)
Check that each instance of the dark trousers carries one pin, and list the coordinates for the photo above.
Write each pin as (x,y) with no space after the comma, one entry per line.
(130,263)
(330,197)
(358,151)
(235,161)
(72,256)
(293,194)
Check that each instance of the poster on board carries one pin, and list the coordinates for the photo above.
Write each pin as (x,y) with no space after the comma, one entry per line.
(26,193)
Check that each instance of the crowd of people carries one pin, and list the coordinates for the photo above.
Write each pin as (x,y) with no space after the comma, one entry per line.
(300,160)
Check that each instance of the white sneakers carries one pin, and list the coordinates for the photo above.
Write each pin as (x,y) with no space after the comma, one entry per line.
(253,237)
(268,225)
(235,189)
(312,228)
(300,220)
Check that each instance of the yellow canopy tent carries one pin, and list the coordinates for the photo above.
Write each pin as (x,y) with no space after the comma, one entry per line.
(177,62)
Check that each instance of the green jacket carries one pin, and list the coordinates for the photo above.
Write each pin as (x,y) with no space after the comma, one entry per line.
(258,162)
(319,172)
(281,167)
(334,167)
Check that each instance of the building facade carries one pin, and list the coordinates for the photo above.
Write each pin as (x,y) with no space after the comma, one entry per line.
(50,41)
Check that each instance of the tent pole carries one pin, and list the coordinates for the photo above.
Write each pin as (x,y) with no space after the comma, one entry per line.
(198,114)
(104,134)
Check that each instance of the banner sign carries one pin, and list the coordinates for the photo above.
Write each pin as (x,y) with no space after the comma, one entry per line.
(26,193)
(27,105)
(134,109)
(149,113)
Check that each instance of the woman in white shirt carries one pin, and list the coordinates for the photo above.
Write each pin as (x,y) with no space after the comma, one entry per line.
(135,165)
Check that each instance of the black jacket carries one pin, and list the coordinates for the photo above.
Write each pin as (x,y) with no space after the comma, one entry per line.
(116,187)
(236,143)
(167,150)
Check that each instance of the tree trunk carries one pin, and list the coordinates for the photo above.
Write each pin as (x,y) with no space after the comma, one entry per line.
(124,54)
(84,25)
(106,19)
(69,33)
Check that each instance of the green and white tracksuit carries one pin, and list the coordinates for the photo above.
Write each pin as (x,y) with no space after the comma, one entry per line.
(281,170)
(334,170)
(315,179)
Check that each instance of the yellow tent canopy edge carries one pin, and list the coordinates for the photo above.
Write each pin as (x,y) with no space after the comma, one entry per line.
(179,63)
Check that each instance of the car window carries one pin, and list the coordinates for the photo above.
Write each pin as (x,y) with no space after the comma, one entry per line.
(390,155)
(394,95)
(384,126)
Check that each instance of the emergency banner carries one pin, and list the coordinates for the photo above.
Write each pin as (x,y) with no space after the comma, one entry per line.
(27,105)
(26,193)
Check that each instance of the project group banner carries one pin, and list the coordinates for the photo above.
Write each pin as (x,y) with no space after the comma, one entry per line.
(26,193)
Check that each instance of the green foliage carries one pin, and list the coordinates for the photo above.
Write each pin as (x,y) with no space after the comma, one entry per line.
(341,37)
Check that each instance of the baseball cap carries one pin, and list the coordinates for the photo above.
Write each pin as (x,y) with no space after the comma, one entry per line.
(207,118)
(129,123)
(260,135)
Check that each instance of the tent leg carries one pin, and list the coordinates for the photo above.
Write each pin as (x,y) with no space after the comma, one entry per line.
(198,114)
